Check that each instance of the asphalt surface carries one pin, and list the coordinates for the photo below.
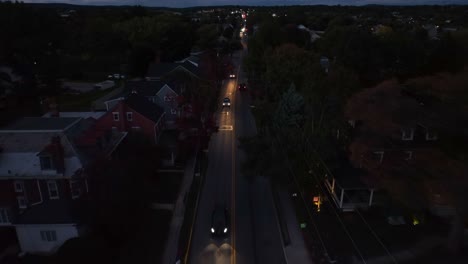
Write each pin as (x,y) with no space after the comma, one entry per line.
(254,235)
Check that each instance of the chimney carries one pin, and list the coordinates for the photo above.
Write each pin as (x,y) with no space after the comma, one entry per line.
(58,154)
(157,57)
(53,107)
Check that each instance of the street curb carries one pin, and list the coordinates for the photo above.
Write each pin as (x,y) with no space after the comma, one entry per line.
(200,187)
(283,225)
(279,224)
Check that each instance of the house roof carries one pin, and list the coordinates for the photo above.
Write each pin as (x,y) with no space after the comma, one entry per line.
(20,148)
(95,115)
(56,124)
(348,177)
(59,211)
(195,60)
(157,70)
(140,104)
(143,87)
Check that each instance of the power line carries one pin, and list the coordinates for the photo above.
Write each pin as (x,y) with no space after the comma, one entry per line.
(334,210)
(359,213)
(362,217)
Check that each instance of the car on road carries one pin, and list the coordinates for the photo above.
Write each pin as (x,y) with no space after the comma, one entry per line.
(242,87)
(232,76)
(219,222)
(226,102)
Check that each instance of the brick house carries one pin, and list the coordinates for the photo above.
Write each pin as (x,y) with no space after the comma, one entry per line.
(41,177)
(157,92)
(134,113)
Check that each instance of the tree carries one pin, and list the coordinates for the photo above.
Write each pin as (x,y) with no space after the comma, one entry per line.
(284,65)
(290,110)
(120,189)
(207,36)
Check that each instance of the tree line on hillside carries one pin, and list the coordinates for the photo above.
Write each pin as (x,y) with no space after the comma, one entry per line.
(90,43)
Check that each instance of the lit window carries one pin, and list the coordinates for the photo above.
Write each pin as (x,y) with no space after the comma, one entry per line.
(116,116)
(53,190)
(129,116)
(19,186)
(22,202)
(49,236)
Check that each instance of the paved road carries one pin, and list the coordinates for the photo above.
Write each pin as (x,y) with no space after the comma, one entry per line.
(254,235)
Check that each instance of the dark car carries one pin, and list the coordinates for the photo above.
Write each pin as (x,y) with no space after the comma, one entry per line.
(219,222)
(226,102)
(242,87)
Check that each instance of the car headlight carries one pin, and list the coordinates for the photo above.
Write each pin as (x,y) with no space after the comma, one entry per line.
(212,230)
(228,103)
(225,230)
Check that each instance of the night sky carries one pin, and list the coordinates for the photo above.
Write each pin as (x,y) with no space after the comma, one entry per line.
(186,3)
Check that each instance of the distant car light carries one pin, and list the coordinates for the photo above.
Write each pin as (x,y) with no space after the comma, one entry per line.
(212,230)
(225,230)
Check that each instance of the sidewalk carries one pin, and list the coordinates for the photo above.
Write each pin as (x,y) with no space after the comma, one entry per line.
(296,251)
(170,252)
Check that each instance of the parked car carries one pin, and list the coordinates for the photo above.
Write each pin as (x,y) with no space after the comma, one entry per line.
(242,87)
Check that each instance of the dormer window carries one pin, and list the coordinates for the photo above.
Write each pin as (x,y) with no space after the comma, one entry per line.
(407,134)
(431,135)
(168,98)
(46,163)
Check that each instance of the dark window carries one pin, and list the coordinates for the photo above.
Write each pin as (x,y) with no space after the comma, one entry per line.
(49,236)
(53,190)
(46,163)
(4,216)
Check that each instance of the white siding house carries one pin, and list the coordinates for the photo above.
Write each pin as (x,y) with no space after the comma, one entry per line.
(44,239)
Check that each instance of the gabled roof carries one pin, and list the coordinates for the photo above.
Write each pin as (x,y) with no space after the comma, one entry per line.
(195,60)
(96,114)
(158,70)
(143,87)
(23,141)
(349,177)
(59,211)
(144,107)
